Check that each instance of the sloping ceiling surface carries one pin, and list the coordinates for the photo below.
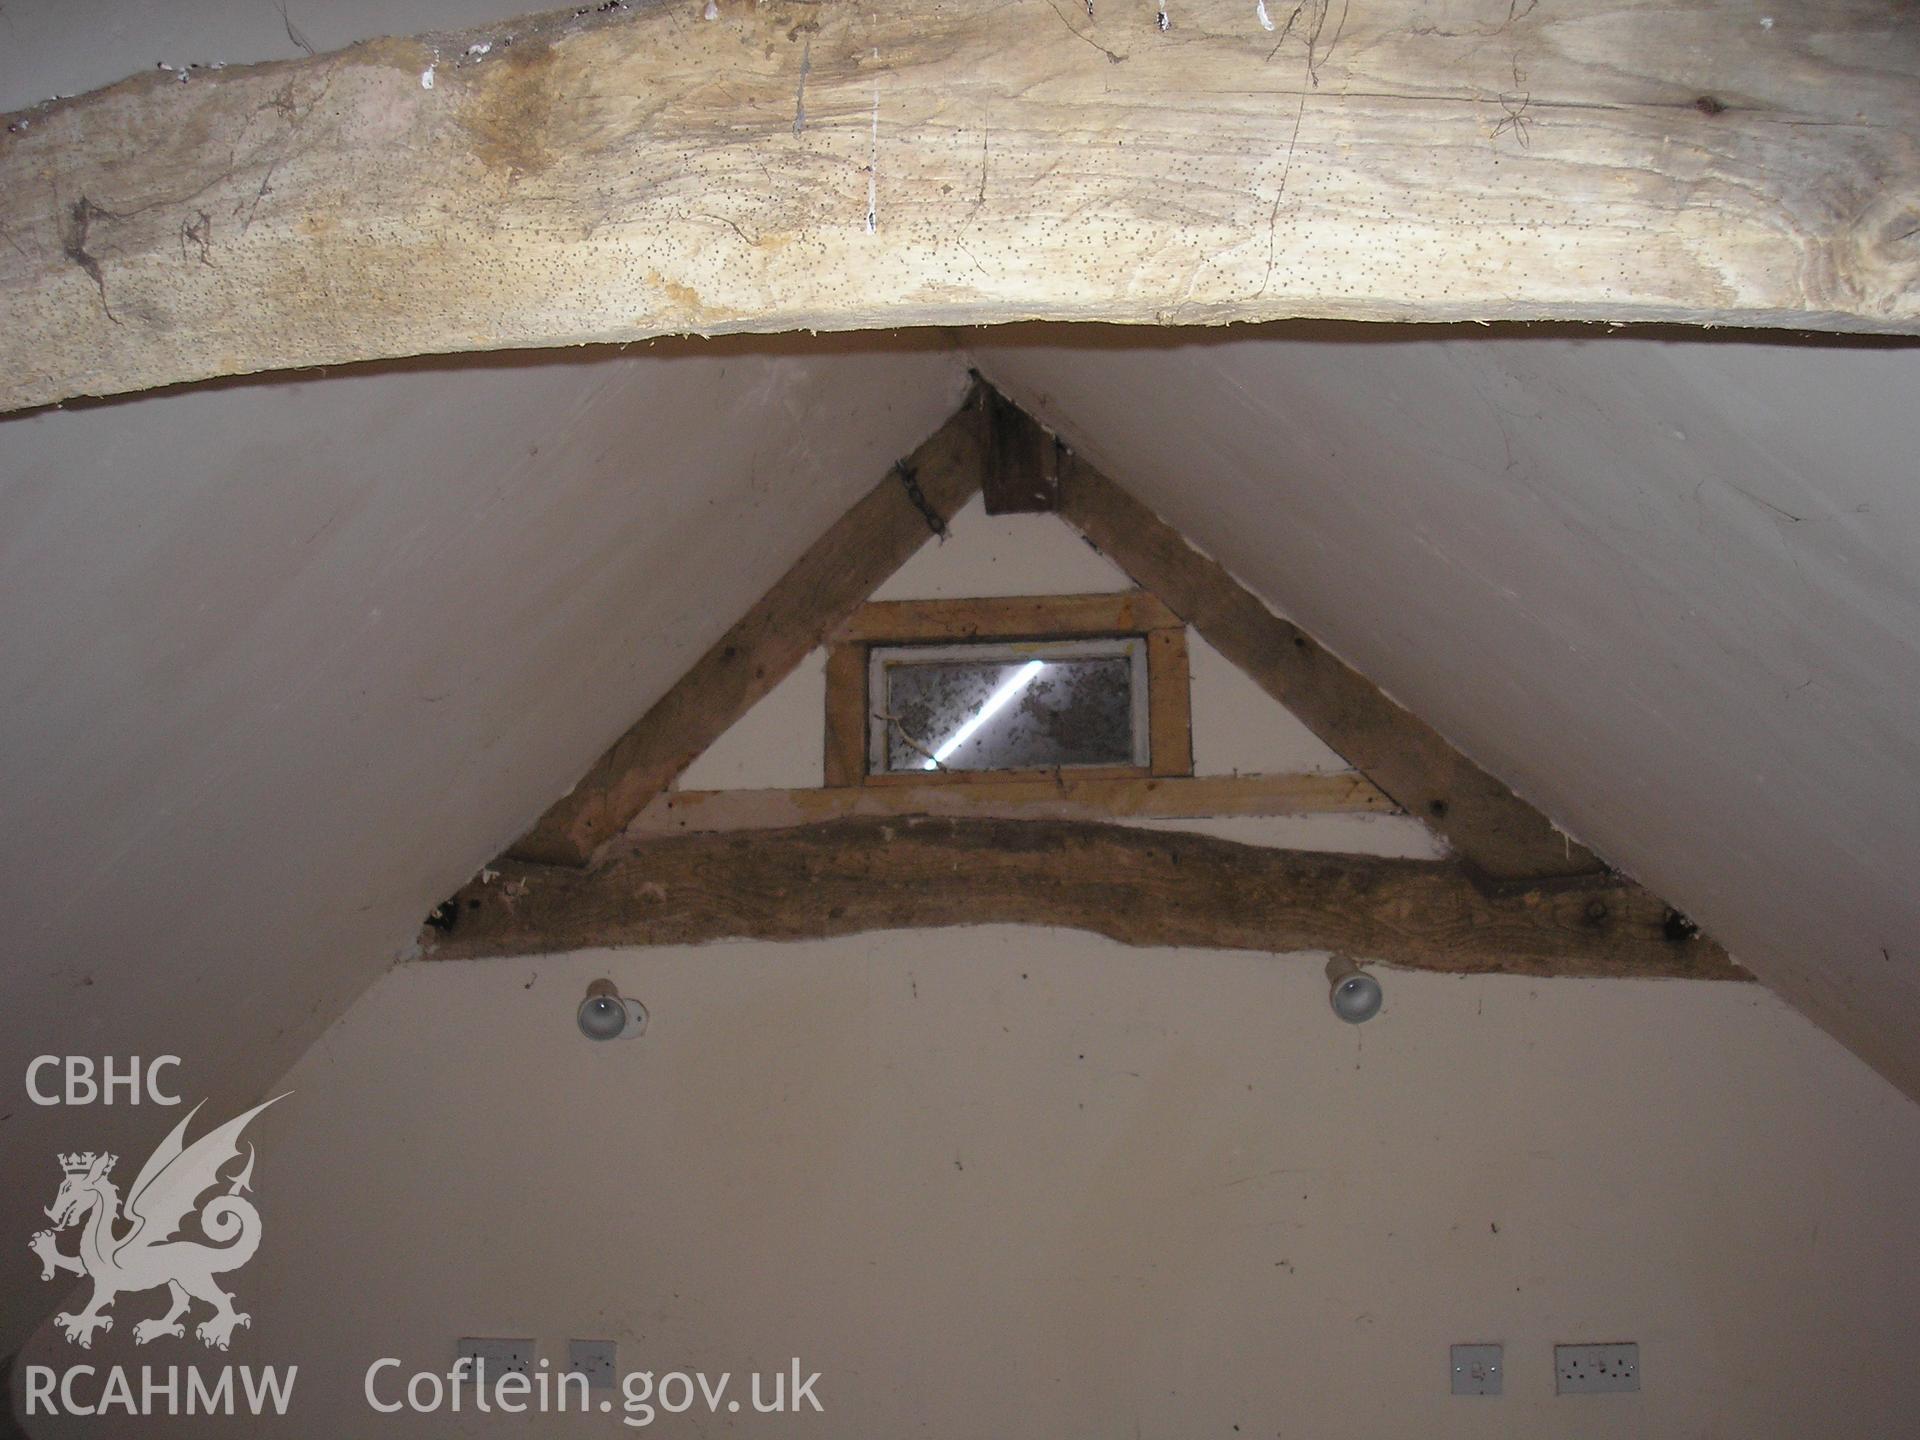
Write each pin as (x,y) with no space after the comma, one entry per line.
(65,47)
(1667,589)
(282,665)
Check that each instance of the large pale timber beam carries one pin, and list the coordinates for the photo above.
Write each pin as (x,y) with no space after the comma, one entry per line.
(616,173)
(1495,832)
(826,585)
(1140,887)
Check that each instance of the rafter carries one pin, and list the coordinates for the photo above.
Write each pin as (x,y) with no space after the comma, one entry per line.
(612,173)
(672,868)
(1491,828)
(826,585)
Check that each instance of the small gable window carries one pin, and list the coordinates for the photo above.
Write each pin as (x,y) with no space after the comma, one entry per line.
(972,689)
(1034,706)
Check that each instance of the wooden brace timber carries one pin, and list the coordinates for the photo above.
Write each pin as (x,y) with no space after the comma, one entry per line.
(1140,887)
(1023,473)
(1005,617)
(824,587)
(1489,827)
(639,171)
(1170,703)
(1067,797)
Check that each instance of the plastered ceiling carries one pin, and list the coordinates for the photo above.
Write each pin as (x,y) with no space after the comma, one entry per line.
(1667,588)
(282,663)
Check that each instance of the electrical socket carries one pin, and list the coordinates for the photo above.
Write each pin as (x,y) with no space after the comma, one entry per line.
(1596,1369)
(1476,1369)
(593,1359)
(501,1357)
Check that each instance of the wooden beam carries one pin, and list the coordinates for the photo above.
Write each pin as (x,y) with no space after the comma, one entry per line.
(679,812)
(845,759)
(1005,617)
(1490,828)
(838,571)
(1023,467)
(1169,703)
(1140,887)
(607,174)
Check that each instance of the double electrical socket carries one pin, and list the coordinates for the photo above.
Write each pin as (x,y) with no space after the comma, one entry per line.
(1595,1369)
(592,1358)
(1577,1369)
(501,1357)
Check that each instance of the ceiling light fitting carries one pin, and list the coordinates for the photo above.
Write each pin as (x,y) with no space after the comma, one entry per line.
(606,1014)
(1355,995)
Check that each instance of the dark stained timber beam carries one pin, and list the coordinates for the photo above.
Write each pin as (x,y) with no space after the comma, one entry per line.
(608,173)
(1023,474)
(825,586)
(1489,827)
(1140,887)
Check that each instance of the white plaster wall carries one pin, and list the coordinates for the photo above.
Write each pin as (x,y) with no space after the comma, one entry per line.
(1026,1183)
(779,744)
(1239,729)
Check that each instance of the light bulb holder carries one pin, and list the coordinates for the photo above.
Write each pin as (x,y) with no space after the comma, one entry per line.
(606,1014)
(1354,994)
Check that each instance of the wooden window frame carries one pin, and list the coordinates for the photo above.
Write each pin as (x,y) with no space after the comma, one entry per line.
(1127,615)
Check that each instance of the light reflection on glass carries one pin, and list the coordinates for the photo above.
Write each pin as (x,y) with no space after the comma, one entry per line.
(1007,712)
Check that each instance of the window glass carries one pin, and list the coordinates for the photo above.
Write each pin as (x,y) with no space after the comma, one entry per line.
(1001,707)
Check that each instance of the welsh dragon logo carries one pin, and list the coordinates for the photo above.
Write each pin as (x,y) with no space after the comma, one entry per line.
(138,1250)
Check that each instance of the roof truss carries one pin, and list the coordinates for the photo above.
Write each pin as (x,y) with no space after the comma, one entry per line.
(623,860)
